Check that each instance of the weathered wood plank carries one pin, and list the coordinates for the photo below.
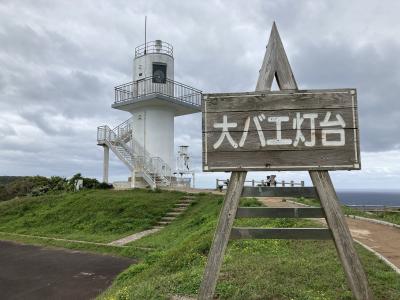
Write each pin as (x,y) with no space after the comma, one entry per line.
(268,191)
(355,274)
(253,141)
(281,233)
(281,160)
(275,64)
(281,100)
(280,212)
(240,118)
(221,236)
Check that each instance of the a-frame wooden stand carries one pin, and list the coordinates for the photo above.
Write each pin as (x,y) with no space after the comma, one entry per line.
(276,65)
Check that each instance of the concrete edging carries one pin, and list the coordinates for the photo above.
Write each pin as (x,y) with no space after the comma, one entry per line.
(380,256)
(356,217)
(373,221)
(298,203)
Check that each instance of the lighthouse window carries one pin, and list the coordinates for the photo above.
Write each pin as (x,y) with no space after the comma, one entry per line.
(159,73)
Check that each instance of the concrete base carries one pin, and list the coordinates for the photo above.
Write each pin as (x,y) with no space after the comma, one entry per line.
(127,185)
(139,182)
(122,185)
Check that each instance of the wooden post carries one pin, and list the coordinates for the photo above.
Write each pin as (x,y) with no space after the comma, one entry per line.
(355,274)
(253,183)
(292,183)
(221,236)
(283,183)
(302,183)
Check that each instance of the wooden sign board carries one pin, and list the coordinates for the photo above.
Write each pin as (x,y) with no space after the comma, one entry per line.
(284,130)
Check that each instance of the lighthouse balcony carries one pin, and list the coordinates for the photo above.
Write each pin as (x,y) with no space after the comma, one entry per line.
(150,91)
(154,47)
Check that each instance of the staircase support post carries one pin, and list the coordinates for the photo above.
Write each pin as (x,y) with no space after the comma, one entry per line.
(106,162)
(133,179)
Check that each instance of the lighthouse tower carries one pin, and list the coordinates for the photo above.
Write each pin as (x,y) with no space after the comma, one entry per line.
(145,142)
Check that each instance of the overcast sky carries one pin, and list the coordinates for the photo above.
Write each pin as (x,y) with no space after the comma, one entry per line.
(60,61)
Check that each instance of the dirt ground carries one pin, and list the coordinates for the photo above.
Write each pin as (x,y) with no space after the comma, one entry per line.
(382,238)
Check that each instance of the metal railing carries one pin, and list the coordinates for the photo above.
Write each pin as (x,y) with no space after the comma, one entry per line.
(147,86)
(124,130)
(224,183)
(154,47)
(105,133)
(133,153)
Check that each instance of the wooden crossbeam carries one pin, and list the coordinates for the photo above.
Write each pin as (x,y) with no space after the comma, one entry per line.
(280,212)
(268,191)
(281,233)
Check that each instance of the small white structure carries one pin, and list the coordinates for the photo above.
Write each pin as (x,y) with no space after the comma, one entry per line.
(145,142)
(78,184)
(183,163)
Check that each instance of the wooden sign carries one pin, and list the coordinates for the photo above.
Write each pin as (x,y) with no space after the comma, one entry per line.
(288,130)
(285,130)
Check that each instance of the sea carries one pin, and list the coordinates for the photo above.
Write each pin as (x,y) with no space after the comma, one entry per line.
(388,198)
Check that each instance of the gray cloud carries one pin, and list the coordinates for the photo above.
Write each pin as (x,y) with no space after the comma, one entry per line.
(59,62)
(374,72)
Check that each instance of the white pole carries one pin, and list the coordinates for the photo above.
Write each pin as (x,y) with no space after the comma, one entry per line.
(106,161)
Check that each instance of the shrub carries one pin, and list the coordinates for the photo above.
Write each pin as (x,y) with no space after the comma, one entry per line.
(39,185)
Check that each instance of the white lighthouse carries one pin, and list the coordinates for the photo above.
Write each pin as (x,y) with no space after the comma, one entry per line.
(145,142)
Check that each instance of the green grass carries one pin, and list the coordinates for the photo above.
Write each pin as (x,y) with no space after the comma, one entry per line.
(392,217)
(172,261)
(93,215)
(252,269)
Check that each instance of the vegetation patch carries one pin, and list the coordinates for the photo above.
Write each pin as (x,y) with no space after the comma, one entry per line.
(20,186)
(252,269)
(88,215)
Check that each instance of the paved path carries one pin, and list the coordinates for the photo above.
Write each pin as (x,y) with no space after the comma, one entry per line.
(32,272)
(382,238)
(134,237)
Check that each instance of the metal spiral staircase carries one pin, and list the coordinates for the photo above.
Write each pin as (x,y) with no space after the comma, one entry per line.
(154,170)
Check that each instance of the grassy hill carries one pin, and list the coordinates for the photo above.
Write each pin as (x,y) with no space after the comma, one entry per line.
(174,263)
(92,215)
(253,269)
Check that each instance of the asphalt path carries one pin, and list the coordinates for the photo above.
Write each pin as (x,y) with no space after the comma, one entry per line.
(33,272)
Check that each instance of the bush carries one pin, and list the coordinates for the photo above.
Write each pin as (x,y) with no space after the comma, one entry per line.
(104,186)
(40,185)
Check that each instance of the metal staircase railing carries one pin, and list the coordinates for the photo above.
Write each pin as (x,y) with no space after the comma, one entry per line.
(120,140)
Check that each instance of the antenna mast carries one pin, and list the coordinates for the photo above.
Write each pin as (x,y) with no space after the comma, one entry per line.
(145,34)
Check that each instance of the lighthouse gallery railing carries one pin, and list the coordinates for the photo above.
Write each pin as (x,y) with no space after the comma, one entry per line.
(148,86)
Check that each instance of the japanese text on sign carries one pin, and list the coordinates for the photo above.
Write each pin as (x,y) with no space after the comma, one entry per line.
(330,127)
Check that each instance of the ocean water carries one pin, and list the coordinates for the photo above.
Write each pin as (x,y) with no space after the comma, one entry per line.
(369,197)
